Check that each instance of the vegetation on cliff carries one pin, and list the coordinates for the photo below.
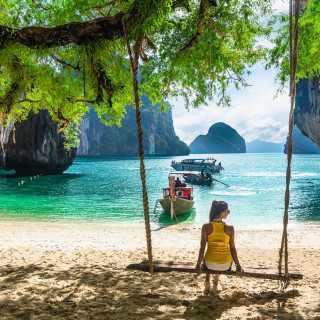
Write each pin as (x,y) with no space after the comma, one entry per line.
(159,137)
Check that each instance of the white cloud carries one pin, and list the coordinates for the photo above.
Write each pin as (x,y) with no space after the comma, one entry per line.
(255,113)
(281,5)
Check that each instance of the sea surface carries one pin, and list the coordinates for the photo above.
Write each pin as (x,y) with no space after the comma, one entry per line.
(108,191)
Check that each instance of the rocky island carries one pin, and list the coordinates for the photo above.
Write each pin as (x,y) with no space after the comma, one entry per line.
(34,146)
(221,138)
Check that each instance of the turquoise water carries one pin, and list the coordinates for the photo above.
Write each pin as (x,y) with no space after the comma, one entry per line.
(109,191)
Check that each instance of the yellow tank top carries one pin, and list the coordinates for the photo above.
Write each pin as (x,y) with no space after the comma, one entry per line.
(218,250)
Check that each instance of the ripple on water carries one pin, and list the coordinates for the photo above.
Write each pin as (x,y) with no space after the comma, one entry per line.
(109,190)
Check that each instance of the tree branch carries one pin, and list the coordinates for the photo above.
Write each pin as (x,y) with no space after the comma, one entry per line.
(238,79)
(62,119)
(109,28)
(218,31)
(86,101)
(77,68)
(28,100)
(39,6)
(195,39)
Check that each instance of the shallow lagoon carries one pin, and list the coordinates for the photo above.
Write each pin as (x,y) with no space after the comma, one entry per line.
(108,190)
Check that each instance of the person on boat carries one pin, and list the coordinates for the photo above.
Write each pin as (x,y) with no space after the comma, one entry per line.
(178,183)
(221,250)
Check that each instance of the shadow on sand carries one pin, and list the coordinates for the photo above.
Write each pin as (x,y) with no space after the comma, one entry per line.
(39,291)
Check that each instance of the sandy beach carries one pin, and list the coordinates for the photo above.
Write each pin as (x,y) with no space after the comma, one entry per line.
(78,271)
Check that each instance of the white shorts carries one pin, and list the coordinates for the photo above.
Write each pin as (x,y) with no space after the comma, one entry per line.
(218,266)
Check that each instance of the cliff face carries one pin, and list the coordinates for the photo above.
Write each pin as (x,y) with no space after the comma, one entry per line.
(221,138)
(307,108)
(301,143)
(36,147)
(159,138)
(4,137)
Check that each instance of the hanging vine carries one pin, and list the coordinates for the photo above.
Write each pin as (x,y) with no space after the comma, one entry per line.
(293,38)
(134,62)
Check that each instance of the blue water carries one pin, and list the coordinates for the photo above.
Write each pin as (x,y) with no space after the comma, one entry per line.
(109,191)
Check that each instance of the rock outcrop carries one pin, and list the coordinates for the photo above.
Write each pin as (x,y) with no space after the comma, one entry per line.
(36,147)
(221,138)
(4,137)
(307,108)
(301,143)
(159,138)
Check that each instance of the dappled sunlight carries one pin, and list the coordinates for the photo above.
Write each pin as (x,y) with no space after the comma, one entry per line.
(88,283)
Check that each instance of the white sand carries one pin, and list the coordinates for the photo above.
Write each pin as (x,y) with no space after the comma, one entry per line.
(75,271)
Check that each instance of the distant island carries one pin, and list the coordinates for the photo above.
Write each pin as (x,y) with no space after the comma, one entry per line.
(221,138)
(259,146)
(301,143)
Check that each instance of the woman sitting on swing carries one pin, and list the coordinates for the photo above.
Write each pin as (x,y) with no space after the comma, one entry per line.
(221,250)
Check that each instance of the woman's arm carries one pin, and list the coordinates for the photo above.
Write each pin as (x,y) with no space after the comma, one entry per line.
(204,239)
(239,270)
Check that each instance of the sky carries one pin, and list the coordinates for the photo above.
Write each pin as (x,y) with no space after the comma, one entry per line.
(255,112)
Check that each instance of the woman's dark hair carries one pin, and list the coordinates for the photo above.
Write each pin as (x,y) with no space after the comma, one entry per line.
(216,208)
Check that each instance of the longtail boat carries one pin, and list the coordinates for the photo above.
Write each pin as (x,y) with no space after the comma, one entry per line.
(176,200)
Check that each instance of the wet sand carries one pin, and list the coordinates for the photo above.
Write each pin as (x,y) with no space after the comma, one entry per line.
(77,271)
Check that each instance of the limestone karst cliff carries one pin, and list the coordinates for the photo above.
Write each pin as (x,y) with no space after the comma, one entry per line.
(159,138)
(307,108)
(34,146)
(221,138)
(301,143)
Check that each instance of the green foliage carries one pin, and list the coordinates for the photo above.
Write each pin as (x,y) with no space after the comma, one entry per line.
(71,134)
(55,78)
(309,45)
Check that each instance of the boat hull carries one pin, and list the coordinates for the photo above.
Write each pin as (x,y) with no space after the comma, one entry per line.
(180,206)
(203,182)
(196,167)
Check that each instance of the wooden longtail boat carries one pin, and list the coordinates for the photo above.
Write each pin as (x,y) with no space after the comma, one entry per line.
(194,177)
(176,200)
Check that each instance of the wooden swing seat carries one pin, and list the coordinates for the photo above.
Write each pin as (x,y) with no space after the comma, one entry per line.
(189,267)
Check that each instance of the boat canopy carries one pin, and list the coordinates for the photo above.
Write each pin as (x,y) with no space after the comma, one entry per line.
(172,173)
(183,172)
(192,160)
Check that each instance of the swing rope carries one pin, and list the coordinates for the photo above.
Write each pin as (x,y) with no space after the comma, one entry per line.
(134,62)
(293,39)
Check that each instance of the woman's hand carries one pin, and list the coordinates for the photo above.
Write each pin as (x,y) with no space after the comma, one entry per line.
(239,271)
(198,269)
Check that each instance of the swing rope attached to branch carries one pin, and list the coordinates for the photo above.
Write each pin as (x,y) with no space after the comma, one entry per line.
(134,62)
(293,34)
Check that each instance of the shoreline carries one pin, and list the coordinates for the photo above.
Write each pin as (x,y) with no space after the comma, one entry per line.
(292,225)
(59,271)
(104,236)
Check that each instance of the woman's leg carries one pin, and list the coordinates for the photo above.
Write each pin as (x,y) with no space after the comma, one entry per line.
(207,283)
(216,278)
